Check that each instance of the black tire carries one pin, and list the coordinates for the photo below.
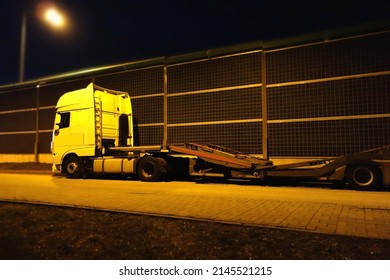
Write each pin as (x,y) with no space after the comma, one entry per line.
(364,176)
(73,167)
(151,169)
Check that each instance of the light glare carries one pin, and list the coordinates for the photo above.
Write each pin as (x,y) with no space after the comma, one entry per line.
(54,17)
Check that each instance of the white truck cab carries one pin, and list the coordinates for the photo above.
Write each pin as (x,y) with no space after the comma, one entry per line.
(89,121)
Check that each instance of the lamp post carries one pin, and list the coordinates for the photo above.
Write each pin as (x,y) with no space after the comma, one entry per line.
(49,14)
(22,47)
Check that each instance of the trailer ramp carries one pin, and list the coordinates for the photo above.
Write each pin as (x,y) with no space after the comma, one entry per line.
(222,156)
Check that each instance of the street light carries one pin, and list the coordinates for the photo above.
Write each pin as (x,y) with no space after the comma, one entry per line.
(54,17)
(49,13)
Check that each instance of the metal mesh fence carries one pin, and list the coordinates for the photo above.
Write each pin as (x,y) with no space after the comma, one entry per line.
(20,121)
(44,142)
(329,98)
(327,138)
(346,97)
(214,73)
(240,136)
(136,82)
(216,101)
(238,104)
(17,143)
(148,110)
(148,135)
(18,99)
(365,54)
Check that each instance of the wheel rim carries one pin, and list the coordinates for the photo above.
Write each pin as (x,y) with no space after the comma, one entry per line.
(148,170)
(363,176)
(72,168)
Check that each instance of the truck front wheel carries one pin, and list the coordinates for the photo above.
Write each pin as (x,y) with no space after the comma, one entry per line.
(364,176)
(73,167)
(151,169)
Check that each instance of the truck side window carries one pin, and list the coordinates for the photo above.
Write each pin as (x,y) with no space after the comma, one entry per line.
(65,120)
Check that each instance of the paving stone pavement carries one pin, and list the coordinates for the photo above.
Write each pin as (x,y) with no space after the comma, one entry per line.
(342,212)
(330,218)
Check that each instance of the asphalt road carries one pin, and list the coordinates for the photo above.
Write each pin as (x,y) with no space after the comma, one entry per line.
(334,211)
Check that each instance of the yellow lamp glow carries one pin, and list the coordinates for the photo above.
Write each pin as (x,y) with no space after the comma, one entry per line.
(54,17)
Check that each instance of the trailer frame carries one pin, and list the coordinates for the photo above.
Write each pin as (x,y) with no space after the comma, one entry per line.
(368,169)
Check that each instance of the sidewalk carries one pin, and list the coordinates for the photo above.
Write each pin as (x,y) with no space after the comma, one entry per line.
(325,218)
(343,213)
(322,217)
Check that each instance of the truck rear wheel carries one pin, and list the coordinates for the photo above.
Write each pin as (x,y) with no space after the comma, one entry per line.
(363,176)
(73,167)
(151,169)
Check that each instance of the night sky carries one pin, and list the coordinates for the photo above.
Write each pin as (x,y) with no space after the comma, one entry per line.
(118,31)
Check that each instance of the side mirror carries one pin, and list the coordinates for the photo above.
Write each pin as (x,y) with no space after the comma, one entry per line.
(57,119)
(57,122)
(56,129)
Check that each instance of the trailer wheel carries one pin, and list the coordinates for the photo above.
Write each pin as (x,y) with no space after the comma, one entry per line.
(363,176)
(151,169)
(73,167)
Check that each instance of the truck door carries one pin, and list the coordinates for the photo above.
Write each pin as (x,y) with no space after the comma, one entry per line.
(61,134)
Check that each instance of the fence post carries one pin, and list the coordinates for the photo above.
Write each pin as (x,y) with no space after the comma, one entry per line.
(36,143)
(264,105)
(165,139)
